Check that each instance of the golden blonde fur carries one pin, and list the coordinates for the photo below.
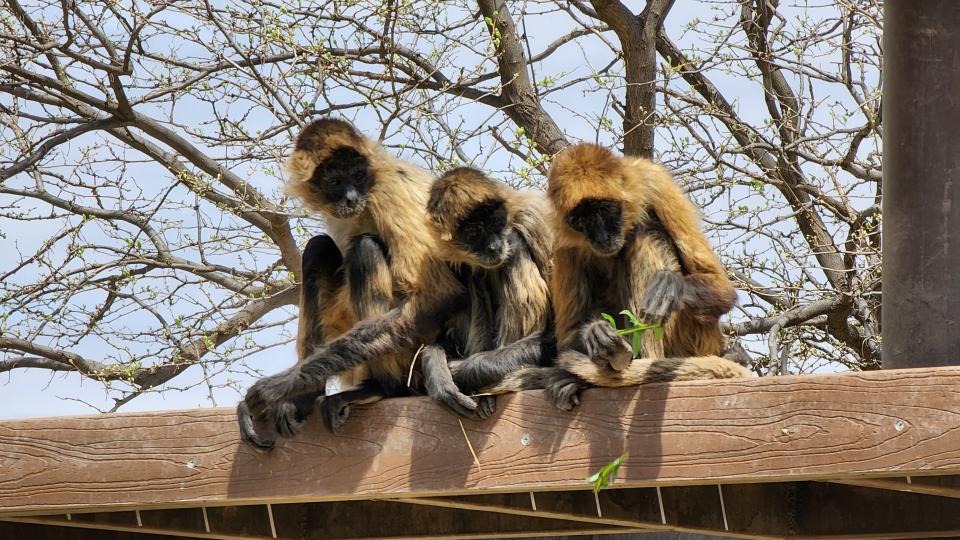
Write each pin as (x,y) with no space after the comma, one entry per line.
(394,213)
(508,301)
(655,370)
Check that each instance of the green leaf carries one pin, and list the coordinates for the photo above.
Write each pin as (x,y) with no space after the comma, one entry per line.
(609,318)
(633,318)
(636,343)
(607,474)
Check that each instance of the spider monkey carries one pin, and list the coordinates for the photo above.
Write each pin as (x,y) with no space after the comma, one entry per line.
(399,292)
(627,239)
(499,242)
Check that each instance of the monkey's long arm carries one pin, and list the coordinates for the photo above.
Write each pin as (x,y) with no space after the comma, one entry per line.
(417,320)
(486,369)
(707,292)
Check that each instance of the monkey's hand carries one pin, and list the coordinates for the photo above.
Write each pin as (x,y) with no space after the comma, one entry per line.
(290,416)
(335,411)
(663,296)
(438,381)
(564,387)
(248,431)
(267,393)
(604,346)
(455,400)
(486,406)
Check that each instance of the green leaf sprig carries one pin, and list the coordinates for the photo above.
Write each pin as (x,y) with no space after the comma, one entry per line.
(607,474)
(636,331)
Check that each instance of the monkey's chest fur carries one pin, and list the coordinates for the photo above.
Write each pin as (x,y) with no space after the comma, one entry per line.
(647,251)
(499,313)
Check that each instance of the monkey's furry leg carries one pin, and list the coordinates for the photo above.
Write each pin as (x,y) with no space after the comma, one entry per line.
(322,276)
(489,368)
(368,277)
(366,273)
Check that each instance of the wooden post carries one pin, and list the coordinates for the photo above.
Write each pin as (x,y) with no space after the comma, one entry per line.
(921,183)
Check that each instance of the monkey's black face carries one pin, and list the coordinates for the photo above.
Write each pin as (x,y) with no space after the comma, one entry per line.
(483,234)
(344,181)
(600,221)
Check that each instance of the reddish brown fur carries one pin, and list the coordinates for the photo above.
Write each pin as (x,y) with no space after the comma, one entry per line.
(586,281)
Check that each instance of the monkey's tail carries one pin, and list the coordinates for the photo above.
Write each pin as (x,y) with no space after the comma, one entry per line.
(647,371)
(527,378)
(640,371)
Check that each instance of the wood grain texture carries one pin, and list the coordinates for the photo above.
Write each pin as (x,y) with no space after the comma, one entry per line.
(883,423)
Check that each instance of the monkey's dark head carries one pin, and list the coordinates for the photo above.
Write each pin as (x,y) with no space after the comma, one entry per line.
(483,234)
(473,217)
(343,181)
(600,221)
(586,185)
(330,168)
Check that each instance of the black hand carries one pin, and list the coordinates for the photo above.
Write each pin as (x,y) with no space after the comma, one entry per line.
(662,296)
(605,347)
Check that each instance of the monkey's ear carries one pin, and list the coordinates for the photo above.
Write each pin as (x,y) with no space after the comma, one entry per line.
(300,166)
(438,211)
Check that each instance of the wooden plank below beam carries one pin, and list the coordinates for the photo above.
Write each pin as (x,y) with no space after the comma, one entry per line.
(829,511)
(941,486)
(25,528)
(761,511)
(346,520)
(689,509)
(829,427)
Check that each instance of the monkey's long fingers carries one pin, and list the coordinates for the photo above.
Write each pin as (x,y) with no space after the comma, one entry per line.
(459,403)
(287,420)
(268,392)
(486,406)
(247,430)
(620,358)
(566,395)
(335,412)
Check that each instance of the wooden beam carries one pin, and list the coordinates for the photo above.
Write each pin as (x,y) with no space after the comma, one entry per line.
(829,427)
(941,486)
(826,510)
(329,521)
(782,510)
(690,509)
